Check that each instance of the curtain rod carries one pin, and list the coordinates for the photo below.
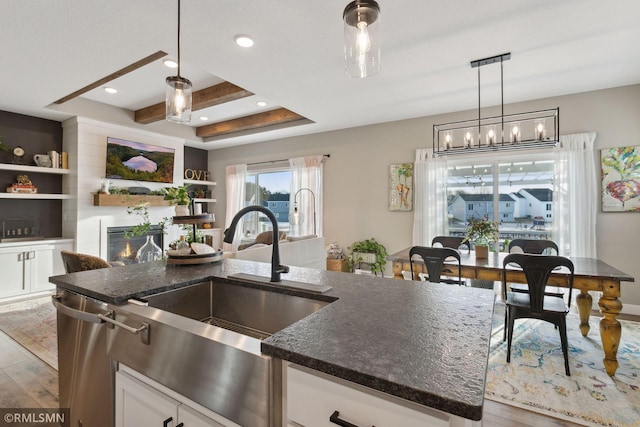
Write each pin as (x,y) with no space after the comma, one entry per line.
(277,161)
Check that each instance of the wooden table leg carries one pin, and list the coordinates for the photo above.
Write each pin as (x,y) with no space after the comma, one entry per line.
(397,270)
(584,303)
(610,329)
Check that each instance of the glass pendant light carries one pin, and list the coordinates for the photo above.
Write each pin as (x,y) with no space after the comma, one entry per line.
(361,38)
(178,93)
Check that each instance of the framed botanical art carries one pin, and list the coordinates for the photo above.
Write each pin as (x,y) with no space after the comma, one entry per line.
(620,179)
(401,187)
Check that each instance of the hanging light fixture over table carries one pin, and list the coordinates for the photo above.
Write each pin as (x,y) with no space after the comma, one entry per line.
(534,129)
(178,95)
(361,38)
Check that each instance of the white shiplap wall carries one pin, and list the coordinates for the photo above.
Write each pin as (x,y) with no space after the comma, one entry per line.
(86,140)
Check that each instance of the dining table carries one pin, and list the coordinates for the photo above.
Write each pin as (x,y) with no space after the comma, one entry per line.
(591,274)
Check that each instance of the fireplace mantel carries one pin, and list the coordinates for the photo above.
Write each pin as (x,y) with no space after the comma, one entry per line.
(128,200)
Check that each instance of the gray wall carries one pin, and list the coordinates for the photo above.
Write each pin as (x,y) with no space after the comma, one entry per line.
(356,175)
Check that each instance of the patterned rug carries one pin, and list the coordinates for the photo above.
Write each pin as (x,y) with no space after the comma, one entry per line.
(32,324)
(535,379)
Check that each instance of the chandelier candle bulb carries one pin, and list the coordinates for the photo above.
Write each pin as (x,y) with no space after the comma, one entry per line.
(540,131)
(468,139)
(491,136)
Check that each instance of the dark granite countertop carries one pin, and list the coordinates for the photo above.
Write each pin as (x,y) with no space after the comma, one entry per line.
(427,343)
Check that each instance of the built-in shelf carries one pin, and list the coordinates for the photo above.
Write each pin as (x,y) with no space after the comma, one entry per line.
(32,169)
(35,196)
(128,200)
(196,182)
(204,200)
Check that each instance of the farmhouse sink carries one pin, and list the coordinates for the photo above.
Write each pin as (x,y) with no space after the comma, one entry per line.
(253,312)
(204,343)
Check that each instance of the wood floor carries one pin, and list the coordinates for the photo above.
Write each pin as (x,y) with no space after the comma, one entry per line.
(28,382)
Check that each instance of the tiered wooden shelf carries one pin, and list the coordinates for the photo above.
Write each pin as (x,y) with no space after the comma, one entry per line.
(194,258)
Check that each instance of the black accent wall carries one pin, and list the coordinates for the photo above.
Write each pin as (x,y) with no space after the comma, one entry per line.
(36,136)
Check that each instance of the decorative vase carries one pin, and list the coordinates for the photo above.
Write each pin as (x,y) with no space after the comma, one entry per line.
(182,210)
(482,251)
(149,251)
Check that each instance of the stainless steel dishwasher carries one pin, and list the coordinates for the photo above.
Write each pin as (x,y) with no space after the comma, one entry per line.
(85,371)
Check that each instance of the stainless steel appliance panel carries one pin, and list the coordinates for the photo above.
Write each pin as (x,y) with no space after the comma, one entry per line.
(85,372)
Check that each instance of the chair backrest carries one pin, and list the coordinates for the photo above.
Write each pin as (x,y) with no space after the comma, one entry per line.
(533,246)
(433,259)
(74,262)
(451,242)
(537,269)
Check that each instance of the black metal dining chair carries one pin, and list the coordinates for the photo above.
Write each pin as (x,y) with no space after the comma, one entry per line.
(534,304)
(450,242)
(535,246)
(433,259)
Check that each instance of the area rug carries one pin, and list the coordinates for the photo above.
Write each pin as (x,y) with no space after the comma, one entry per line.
(32,324)
(535,379)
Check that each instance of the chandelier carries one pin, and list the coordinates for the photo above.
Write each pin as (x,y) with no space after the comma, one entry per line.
(534,129)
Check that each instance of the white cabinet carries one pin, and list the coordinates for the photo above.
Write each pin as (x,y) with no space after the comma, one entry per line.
(140,401)
(312,398)
(26,268)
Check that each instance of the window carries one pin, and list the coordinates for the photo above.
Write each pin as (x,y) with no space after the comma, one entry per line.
(519,188)
(272,190)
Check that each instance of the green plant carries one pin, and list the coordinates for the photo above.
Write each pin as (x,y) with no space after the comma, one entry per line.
(142,229)
(481,230)
(177,195)
(2,146)
(368,246)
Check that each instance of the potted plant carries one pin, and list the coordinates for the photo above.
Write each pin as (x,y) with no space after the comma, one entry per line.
(178,196)
(369,252)
(481,231)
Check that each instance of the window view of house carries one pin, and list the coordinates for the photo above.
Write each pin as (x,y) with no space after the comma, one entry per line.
(521,192)
(272,190)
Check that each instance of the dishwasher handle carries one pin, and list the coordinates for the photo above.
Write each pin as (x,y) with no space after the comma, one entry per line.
(107,316)
(72,312)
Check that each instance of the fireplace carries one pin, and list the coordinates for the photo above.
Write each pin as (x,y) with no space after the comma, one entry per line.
(123,250)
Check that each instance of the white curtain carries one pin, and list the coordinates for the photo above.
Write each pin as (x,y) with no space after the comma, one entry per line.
(236,176)
(575,196)
(306,190)
(430,204)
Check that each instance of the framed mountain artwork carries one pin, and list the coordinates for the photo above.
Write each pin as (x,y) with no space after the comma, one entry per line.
(620,179)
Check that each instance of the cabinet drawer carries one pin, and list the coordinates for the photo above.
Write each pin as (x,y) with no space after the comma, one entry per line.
(313,397)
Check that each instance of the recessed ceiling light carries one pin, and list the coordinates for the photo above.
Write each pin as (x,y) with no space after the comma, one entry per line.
(204,118)
(170,63)
(243,40)
(261,103)
(110,90)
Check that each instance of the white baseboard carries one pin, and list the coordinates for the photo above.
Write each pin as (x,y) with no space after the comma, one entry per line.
(631,309)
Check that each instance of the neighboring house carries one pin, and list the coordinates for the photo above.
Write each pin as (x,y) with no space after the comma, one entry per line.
(521,209)
(278,203)
(465,206)
(538,202)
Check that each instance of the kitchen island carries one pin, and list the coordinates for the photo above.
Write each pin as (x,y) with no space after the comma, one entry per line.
(424,343)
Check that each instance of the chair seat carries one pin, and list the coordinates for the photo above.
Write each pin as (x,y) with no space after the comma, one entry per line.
(554,304)
(524,288)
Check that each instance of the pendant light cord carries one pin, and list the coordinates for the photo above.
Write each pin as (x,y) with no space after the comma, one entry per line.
(178,38)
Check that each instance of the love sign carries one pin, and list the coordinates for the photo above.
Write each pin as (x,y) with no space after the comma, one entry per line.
(196,175)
